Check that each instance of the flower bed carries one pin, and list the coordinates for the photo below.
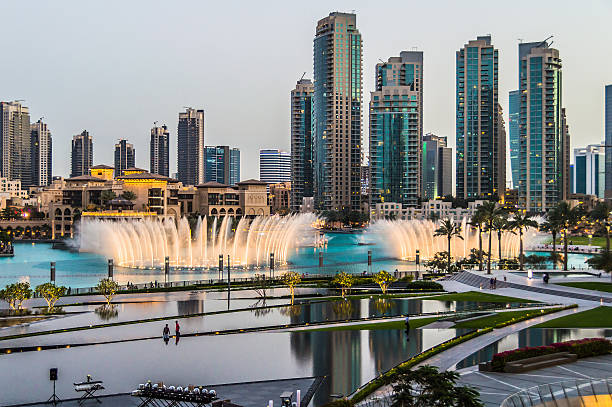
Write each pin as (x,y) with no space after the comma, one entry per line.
(582,348)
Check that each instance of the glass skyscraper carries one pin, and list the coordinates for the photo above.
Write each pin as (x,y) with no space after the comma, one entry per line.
(82,154)
(15,142)
(589,170)
(481,155)
(41,155)
(160,151)
(513,127)
(337,101)
(190,142)
(125,157)
(608,138)
(274,166)
(396,130)
(437,172)
(222,165)
(301,143)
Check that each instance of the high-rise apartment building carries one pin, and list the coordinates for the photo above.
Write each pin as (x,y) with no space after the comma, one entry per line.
(125,157)
(222,165)
(274,166)
(396,130)
(608,138)
(160,151)
(15,139)
(513,130)
(41,154)
(480,157)
(82,154)
(301,143)
(437,172)
(190,139)
(543,131)
(337,115)
(589,170)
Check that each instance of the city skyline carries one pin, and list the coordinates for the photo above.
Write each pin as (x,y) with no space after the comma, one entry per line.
(102,106)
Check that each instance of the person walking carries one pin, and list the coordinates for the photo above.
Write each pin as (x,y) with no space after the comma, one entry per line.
(166,334)
(177,329)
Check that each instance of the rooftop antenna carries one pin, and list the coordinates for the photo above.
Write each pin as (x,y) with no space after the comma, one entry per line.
(304,74)
(520,40)
(155,123)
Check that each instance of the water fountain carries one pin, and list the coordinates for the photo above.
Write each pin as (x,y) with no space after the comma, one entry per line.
(146,243)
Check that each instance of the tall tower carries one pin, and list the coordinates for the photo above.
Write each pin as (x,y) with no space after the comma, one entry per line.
(513,129)
(608,138)
(41,149)
(543,130)
(222,165)
(234,177)
(396,130)
(15,149)
(160,151)
(337,116)
(82,154)
(301,143)
(479,152)
(274,166)
(437,172)
(190,157)
(125,157)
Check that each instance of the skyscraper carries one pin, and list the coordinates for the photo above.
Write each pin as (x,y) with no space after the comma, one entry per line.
(480,158)
(41,149)
(396,130)
(274,166)
(301,143)
(82,154)
(15,149)
(437,172)
(222,165)
(125,157)
(190,157)
(160,151)
(608,138)
(543,131)
(337,112)
(589,170)
(513,128)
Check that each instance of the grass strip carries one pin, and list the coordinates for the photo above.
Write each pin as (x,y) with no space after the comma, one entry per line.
(590,285)
(481,297)
(400,324)
(600,317)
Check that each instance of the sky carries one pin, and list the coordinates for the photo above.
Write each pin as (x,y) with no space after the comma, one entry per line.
(115,67)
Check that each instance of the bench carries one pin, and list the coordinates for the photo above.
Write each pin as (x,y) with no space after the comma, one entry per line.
(539,362)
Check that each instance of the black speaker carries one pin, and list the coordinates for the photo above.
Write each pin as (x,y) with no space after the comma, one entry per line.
(53,373)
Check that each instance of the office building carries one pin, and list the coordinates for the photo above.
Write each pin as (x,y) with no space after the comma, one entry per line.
(160,151)
(125,157)
(513,130)
(543,131)
(15,138)
(480,159)
(437,172)
(396,130)
(589,170)
(41,152)
(608,138)
(222,165)
(190,140)
(301,143)
(337,116)
(82,154)
(274,166)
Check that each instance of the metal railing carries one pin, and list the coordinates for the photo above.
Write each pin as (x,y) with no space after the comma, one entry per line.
(570,393)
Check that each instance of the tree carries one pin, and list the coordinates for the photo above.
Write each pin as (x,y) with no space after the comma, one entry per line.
(568,218)
(521,221)
(477,221)
(15,294)
(344,280)
(291,279)
(426,386)
(602,261)
(106,196)
(261,285)
(552,225)
(383,279)
(448,229)
(601,215)
(51,293)
(490,211)
(108,288)
(501,225)
(128,195)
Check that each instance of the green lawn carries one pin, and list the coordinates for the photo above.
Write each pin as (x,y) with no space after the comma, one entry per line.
(597,286)
(478,297)
(499,317)
(414,323)
(580,240)
(600,317)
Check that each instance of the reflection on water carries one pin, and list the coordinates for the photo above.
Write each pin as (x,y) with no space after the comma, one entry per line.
(107,312)
(532,337)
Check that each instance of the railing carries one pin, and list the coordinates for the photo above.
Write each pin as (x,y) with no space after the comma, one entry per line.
(570,393)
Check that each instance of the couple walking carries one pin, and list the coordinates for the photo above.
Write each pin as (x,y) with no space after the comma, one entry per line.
(177,330)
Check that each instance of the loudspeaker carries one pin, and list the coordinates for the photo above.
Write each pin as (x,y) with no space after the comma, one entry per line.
(53,373)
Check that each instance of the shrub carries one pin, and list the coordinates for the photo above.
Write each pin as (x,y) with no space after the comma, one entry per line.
(424,285)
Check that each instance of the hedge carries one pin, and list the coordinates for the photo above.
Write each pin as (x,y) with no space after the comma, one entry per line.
(424,285)
(582,348)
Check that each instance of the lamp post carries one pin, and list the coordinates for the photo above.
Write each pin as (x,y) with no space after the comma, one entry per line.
(166,269)
(52,270)
(110,269)
(272,265)
(220,267)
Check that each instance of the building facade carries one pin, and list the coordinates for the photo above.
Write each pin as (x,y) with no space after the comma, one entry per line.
(279,198)
(160,151)
(337,115)
(513,134)
(41,154)
(82,154)
(15,138)
(437,172)
(480,158)
(589,170)
(274,166)
(608,138)
(396,130)
(190,140)
(543,131)
(301,143)
(125,157)
(222,165)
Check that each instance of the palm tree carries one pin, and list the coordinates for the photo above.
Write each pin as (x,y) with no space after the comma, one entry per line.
(601,215)
(500,225)
(449,230)
(490,211)
(552,225)
(477,221)
(522,221)
(568,217)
